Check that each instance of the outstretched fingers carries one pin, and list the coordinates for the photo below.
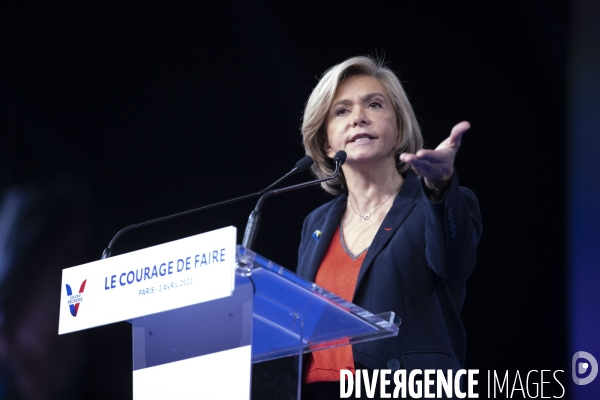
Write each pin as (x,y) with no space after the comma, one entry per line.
(433,156)
(457,132)
(437,165)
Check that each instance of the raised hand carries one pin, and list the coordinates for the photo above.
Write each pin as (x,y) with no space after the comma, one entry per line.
(437,166)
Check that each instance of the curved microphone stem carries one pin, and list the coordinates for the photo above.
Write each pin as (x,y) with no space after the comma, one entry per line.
(108,251)
(302,165)
(254,219)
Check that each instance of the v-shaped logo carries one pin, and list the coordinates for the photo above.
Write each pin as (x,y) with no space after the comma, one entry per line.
(75,299)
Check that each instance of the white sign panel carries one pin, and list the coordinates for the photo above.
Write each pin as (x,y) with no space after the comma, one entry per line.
(160,278)
(222,375)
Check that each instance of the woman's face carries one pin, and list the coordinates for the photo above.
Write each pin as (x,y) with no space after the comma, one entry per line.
(362,121)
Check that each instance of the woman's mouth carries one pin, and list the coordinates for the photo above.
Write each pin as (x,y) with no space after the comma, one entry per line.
(362,138)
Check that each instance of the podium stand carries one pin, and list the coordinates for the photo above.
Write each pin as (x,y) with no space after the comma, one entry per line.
(205,350)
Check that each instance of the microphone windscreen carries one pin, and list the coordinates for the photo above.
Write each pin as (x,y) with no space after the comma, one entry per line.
(304,163)
(340,157)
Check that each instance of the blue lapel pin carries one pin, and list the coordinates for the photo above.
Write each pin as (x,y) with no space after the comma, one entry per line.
(317,235)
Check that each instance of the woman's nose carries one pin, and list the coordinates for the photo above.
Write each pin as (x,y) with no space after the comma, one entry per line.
(360,118)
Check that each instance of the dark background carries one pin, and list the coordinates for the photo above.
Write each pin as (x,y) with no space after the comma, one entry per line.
(165,107)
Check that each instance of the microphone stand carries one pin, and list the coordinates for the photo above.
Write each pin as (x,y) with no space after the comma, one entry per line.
(254,220)
(301,166)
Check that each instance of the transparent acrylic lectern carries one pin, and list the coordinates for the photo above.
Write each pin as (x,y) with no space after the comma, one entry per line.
(276,312)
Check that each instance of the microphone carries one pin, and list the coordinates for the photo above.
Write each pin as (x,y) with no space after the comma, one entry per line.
(254,219)
(301,166)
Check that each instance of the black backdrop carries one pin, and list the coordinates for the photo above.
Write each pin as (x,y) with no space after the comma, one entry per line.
(168,106)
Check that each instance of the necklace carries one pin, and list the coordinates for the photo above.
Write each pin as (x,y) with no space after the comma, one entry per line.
(367,216)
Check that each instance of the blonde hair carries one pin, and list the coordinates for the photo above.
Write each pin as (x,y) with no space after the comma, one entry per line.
(314,136)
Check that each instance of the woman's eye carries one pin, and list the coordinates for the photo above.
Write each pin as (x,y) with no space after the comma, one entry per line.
(375,104)
(341,111)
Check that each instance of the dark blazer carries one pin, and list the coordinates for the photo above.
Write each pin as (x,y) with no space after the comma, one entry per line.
(417,266)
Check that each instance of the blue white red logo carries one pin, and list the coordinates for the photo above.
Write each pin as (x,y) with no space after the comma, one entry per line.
(75,299)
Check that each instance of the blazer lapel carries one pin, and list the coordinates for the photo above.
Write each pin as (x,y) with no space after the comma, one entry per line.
(332,222)
(403,205)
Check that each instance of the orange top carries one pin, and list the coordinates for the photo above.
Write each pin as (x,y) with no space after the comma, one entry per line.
(338,274)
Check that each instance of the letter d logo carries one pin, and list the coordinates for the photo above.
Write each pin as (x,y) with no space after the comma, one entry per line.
(582,367)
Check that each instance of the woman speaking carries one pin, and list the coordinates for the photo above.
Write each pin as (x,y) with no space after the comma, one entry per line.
(400,235)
